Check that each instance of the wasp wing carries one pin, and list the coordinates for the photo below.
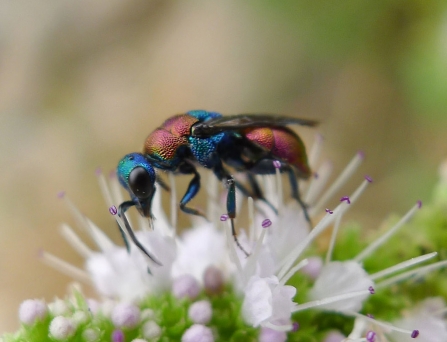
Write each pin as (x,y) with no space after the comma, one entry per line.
(239,122)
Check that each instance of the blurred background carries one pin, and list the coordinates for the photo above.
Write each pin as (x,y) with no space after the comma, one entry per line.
(82,83)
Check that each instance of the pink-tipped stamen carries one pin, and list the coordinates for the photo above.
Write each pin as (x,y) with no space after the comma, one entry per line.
(266,223)
(333,237)
(286,263)
(329,300)
(340,181)
(113,210)
(370,336)
(375,322)
(345,199)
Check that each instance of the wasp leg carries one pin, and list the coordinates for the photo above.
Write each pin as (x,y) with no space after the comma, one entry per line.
(231,209)
(296,192)
(193,189)
(121,213)
(222,174)
(162,183)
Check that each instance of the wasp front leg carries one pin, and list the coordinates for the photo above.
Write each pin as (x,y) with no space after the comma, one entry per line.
(121,213)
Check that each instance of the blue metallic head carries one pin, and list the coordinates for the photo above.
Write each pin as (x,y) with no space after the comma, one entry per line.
(137,176)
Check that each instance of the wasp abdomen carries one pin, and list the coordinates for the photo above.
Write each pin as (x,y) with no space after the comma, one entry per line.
(283,144)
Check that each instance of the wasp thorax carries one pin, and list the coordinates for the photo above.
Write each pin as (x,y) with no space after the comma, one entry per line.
(140,182)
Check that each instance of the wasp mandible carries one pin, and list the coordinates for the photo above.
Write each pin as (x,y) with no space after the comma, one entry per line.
(249,143)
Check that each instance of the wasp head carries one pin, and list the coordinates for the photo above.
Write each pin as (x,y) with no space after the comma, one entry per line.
(137,176)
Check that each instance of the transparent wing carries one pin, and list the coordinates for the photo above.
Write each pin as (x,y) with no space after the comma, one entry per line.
(242,121)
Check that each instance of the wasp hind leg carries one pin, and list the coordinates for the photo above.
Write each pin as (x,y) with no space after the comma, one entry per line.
(296,192)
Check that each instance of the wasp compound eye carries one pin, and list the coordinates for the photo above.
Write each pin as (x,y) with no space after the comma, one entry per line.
(140,182)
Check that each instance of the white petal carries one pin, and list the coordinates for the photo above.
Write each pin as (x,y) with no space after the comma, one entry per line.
(257,306)
(432,328)
(338,278)
(200,248)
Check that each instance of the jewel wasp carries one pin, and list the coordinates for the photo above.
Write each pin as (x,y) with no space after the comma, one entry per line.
(248,143)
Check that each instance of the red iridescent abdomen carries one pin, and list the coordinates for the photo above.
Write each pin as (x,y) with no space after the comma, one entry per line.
(164,142)
(284,144)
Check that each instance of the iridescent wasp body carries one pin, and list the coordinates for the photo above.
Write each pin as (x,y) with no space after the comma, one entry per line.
(248,143)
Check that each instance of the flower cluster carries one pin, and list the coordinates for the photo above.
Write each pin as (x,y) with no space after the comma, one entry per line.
(207,289)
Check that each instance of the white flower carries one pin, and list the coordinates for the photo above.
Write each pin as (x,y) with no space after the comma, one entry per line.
(206,255)
(62,328)
(268,303)
(337,278)
(119,274)
(428,318)
(32,310)
(199,248)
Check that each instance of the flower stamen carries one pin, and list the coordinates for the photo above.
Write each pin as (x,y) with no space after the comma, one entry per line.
(402,265)
(65,267)
(340,181)
(332,299)
(383,238)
